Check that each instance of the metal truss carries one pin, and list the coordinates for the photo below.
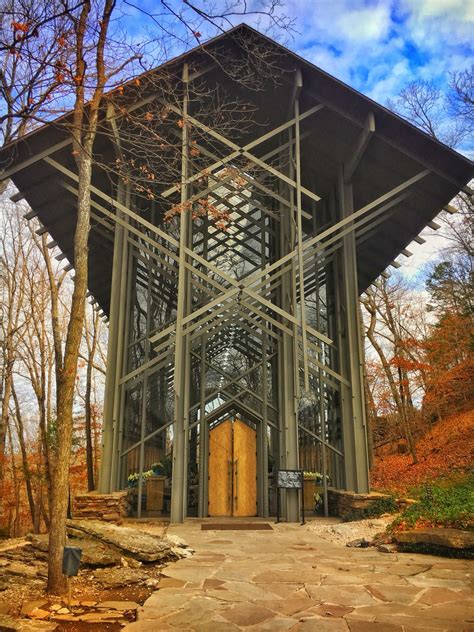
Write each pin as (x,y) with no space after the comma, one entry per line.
(259,319)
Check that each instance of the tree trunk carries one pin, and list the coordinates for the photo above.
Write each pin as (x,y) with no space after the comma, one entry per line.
(66,378)
(24,459)
(92,346)
(88,418)
(6,394)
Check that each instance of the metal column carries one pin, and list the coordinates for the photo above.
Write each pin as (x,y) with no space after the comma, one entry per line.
(354,423)
(179,477)
(106,476)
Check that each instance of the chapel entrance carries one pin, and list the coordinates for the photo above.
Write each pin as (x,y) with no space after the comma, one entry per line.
(232,469)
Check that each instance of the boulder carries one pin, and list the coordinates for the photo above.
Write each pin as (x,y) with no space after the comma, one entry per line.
(28,606)
(448,538)
(360,543)
(39,613)
(94,553)
(118,577)
(140,545)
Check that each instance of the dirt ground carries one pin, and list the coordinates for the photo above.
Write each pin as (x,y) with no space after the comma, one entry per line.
(26,582)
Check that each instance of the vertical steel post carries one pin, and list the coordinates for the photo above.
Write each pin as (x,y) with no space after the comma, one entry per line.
(299,229)
(354,424)
(122,341)
(105,476)
(288,373)
(203,434)
(179,466)
(263,447)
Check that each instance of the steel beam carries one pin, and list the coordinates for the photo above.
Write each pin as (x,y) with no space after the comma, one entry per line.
(354,422)
(179,476)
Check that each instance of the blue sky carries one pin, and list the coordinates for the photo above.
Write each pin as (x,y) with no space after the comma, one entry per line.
(376,46)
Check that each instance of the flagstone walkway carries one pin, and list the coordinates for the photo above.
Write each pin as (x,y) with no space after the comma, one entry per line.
(287,579)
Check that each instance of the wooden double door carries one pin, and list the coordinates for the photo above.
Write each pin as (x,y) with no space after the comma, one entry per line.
(232,489)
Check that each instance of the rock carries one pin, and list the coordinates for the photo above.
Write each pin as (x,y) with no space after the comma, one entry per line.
(143,546)
(117,577)
(175,540)
(29,606)
(387,548)
(55,607)
(449,538)
(38,613)
(25,570)
(64,617)
(152,583)
(129,562)
(10,624)
(118,605)
(360,543)
(99,617)
(109,507)
(64,611)
(93,553)
(181,552)
(88,604)
(4,607)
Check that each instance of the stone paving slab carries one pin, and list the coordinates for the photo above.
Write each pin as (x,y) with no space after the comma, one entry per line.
(288,580)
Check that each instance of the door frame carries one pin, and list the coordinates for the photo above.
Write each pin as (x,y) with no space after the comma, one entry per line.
(262,474)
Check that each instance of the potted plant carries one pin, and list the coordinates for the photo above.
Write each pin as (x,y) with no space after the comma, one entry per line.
(132,480)
(313,488)
(157,469)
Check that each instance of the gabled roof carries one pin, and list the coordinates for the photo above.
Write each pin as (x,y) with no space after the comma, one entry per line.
(397,151)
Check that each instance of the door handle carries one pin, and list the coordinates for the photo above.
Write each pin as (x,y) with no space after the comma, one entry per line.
(236,486)
(229,484)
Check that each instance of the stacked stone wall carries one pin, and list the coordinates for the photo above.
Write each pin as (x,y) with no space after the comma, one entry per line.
(341,502)
(108,507)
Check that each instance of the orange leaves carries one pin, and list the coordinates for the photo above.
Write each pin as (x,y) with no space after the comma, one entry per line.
(20,27)
(199,209)
(446,448)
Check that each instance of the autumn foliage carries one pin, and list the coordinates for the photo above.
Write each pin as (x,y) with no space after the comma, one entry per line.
(448,447)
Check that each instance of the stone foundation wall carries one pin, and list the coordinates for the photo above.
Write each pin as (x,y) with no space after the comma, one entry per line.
(95,506)
(342,502)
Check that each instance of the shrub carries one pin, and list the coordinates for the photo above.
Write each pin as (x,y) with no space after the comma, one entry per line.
(440,504)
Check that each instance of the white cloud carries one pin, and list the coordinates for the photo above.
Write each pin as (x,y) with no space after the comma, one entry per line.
(453,9)
(387,80)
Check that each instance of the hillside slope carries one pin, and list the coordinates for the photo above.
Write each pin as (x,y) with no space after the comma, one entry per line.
(446,449)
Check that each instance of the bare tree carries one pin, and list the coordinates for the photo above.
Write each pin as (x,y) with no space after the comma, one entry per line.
(386,306)
(86,61)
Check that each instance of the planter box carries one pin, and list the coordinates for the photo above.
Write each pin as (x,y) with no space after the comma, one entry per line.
(309,490)
(155,492)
